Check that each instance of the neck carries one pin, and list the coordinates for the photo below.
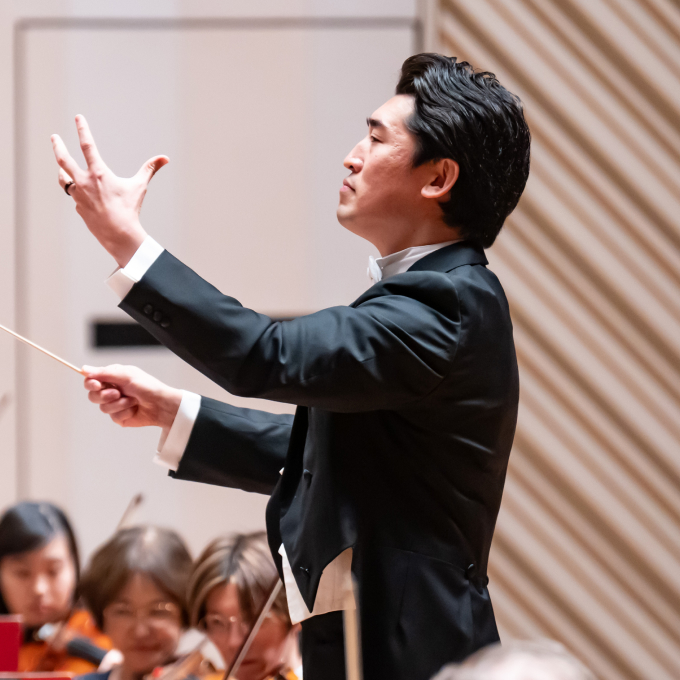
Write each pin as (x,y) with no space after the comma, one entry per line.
(426,233)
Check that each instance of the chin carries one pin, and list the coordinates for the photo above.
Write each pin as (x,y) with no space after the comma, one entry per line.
(144,664)
(342,214)
(349,221)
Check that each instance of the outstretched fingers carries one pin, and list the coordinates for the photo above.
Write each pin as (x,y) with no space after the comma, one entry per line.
(64,179)
(89,148)
(64,159)
(150,168)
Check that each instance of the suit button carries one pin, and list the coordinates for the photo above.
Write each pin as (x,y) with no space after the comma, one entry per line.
(308,476)
(165,323)
(157,316)
(470,571)
(148,310)
(304,570)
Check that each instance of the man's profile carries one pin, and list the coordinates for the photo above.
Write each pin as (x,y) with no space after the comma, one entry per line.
(392,470)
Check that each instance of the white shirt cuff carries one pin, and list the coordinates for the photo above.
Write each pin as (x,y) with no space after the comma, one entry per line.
(173,442)
(122,280)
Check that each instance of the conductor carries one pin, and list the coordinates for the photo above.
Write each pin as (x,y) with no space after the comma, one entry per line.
(393,466)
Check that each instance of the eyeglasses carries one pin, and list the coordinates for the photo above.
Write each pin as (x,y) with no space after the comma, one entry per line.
(221,626)
(158,615)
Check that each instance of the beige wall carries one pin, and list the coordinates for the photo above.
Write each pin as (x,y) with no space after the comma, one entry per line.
(256,111)
(587,548)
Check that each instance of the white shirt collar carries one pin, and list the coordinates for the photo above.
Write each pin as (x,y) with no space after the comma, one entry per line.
(397,263)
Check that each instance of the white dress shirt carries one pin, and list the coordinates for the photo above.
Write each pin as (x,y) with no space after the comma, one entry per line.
(335,592)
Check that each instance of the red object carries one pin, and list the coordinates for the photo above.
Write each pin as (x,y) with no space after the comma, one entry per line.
(36,676)
(10,641)
(38,657)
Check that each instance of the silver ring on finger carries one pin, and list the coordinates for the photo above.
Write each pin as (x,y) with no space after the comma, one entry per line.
(67,186)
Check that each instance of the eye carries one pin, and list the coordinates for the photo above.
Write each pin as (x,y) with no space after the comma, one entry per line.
(54,568)
(374,139)
(120,610)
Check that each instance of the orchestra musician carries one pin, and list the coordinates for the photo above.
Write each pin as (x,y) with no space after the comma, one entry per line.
(39,573)
(394,465)
(135,587)
(227,588)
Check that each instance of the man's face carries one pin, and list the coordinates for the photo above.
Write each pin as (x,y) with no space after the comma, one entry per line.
(383,191)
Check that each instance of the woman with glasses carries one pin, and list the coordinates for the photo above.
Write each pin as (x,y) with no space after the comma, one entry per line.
(39,570)
(227,588)
(135,587)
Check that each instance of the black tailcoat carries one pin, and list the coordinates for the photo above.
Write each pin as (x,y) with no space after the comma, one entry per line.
(407,405)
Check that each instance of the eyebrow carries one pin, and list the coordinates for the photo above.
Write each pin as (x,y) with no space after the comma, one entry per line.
(373,122)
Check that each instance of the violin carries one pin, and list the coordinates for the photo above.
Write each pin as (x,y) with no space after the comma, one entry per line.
(73,646)
(194,666)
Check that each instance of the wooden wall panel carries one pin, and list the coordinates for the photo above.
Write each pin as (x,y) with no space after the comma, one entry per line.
(587,549)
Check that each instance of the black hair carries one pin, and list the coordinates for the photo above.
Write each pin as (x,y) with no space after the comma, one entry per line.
(29,526)
(468,116)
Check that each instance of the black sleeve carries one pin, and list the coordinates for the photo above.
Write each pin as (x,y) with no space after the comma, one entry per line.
(389,350)
(237,447)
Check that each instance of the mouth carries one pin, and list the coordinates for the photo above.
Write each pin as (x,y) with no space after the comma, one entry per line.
(145,649)
(42,610)
(346,186)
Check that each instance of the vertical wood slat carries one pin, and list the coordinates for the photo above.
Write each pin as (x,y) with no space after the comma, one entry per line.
(587,547)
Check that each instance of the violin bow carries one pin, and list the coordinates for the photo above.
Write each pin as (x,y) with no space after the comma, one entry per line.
(134,503)
(272,593)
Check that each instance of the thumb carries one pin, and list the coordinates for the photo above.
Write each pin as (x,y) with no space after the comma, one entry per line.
(151,167)
(115,375)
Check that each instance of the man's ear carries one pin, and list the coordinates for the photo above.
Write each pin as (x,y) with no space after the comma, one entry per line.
(444,176)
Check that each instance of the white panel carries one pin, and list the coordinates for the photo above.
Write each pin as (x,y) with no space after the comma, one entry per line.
(256,124)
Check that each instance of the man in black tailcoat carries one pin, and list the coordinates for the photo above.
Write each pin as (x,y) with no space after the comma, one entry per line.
(393,467)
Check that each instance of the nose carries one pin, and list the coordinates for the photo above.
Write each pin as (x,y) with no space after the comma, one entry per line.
(141,628)
(40,586)
(230,649)
(353,161)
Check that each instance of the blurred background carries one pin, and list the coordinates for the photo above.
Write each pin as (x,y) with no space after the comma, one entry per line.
(257,103)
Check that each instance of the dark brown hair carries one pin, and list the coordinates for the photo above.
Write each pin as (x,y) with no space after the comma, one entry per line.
(241,559)
(157,553)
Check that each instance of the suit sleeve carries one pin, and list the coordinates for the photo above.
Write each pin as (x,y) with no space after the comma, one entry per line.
(386,351)
(236,447)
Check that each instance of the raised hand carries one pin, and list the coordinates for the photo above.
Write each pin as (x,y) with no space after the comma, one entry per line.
(108,204)
(132,397)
